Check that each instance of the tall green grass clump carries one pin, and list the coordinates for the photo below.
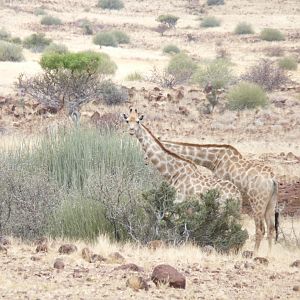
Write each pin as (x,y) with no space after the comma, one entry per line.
(210,22)
(246,96)
(243,28)
(10,52)
(134,76)
(271,34)
(218,73)
(288,63)
(50,20)
(111,4)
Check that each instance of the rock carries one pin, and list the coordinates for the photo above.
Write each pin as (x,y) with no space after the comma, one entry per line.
(137,283)
(41,241)
(248,265)
(35,258)
(59,264)
(116,258)
(4,241)
(41,248)
(179,95)
(155,244)
(247,254)
(97,257)
(78,273)
(130,267)
(296,288)
(183,110)
(86,254)
(166,274)
(67,249)
(208,249)
(261,260)
(295,264)
(3,249)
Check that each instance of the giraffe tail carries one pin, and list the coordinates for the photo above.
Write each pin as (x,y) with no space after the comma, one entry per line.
(275,195)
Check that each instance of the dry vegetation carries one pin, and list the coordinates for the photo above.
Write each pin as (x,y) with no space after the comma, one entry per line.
(218,55)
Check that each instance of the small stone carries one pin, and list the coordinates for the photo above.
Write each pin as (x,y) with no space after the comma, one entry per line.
(4,241)
(137,283)
(41,248)
(35,258)
(130,267)
(208,249)
(41,241)
(97,257)
(261,260)
(59,264)
(248,265)
(247,254)
(86,254)
(3,249)
(166,274)
(295,264)
(67,249)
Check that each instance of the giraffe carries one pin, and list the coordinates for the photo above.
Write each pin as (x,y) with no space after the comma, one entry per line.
(179,172)
(255,181)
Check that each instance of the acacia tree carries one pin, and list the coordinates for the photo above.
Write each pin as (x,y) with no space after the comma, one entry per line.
(68,80)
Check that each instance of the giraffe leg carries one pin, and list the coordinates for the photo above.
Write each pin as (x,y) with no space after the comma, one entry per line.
(259,229)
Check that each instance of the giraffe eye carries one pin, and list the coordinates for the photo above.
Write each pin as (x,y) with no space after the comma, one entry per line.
(127,121)
(138,121)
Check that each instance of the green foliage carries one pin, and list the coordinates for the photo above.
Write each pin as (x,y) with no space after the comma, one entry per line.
(181,67)
(105,38)
(111,4)
(135,76)
(10,52)
(111,94)
(207,222)
(56,48)
(210,22)
(4,34)
(81,61)
(121,37)
(168,20)
(50,20)
(171,49)
(246,96)
(218,73)
(243,28)
(39,11)
(36,42)
(271,34)
(288,63)
(214,2)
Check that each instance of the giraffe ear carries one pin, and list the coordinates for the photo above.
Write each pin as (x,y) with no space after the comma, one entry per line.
(130,109)
(141,117)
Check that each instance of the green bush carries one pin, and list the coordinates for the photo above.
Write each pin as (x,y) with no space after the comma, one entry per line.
(171,49)
(56,48)
(112,94)
(246,95)
(207,222)
(181,67)
(288,63)
(111,4)
(168,20)
(39,11)
(50,20)
(10,52)
(218,73)
(105,39)
(135,76)
(121,37)
(271,34)
(15,40)
(214,2)
(81,61)
(243,28)
(210,22)
(36,42)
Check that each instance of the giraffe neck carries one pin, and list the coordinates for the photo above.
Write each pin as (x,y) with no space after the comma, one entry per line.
(214,157)
(169,166)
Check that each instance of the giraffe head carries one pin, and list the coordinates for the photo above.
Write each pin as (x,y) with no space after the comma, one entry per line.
(133,120)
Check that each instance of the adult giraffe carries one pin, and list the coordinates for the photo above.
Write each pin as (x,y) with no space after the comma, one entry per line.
(256,182)
(179,172)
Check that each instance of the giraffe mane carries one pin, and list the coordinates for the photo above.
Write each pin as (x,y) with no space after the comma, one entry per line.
(166,150)
(205,145)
